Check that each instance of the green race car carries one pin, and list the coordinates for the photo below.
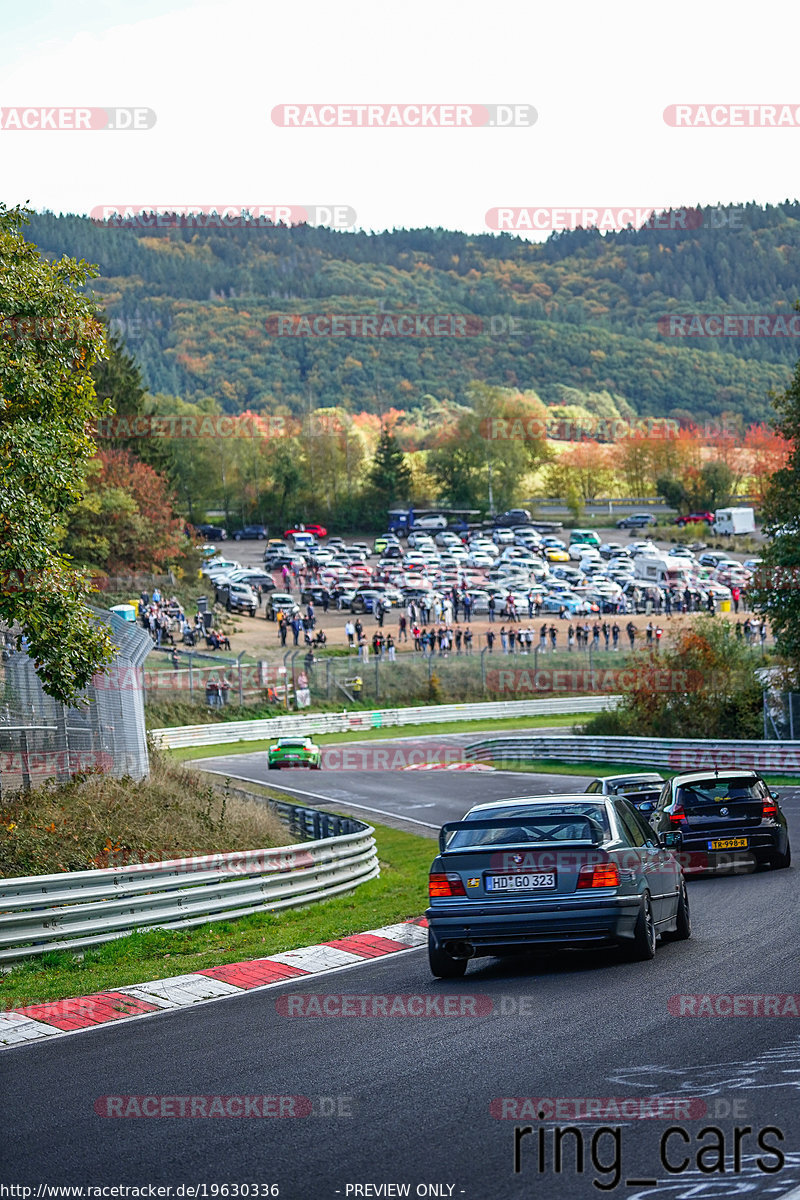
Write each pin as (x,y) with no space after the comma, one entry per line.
(294,752)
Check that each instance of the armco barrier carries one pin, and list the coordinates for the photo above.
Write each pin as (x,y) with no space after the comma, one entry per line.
(85,908)
(675,754)
(221,733)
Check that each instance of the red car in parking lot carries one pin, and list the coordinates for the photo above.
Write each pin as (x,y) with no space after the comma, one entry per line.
(695,518)
(317,531)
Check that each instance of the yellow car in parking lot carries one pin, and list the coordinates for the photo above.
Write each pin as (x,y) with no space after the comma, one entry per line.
(553,554)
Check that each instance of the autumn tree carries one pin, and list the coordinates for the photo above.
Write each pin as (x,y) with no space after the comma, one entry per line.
(777,591)
(125,519)
(50,339)
(486,453)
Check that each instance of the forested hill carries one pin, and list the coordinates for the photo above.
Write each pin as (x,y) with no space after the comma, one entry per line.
(195,308)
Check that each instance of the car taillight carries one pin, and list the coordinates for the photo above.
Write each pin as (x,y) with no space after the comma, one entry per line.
(768,809)
(598,875)
(446,885)
(677,816)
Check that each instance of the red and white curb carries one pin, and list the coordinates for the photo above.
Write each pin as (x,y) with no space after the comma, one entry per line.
(34,1022)
(456,766)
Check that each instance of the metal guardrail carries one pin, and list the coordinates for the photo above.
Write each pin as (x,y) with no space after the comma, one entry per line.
(86,908)
(221,733)
(676,754)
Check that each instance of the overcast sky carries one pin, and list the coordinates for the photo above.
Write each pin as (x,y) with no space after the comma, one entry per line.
(598,76)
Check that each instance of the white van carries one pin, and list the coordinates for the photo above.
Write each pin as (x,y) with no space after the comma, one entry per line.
(734,520)
(662,569)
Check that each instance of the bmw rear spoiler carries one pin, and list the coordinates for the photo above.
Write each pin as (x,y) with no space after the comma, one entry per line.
(452,827)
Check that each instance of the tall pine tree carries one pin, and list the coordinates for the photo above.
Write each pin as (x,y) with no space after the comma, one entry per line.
(390,474)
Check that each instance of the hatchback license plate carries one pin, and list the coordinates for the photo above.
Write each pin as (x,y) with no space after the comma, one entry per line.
(520,882)
(728,844)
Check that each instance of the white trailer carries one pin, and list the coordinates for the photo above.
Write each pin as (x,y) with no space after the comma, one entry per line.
(734,520)
(664,569)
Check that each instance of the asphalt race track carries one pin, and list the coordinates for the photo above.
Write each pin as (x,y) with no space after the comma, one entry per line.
(418,1101)
(376,779)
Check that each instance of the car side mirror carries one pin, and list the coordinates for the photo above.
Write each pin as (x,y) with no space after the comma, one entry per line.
(775,795)
(673,838)
(646,806)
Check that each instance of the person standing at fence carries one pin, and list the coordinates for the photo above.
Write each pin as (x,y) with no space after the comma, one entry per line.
(390,647)
(458,641)
(543,638)
(554,638)
(468,640)
(615,635)
(491,609)
(402,628)
(467,602)
(503,639)
(631,628)
(490,640)
(571,638)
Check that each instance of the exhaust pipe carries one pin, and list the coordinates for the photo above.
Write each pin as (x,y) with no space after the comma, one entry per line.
(460,950)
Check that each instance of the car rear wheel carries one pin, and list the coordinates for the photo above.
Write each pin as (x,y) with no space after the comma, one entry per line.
(780,861)
(643,946)
(683,921)
(442,965)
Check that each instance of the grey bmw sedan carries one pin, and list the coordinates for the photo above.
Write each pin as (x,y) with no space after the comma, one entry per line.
(573,870)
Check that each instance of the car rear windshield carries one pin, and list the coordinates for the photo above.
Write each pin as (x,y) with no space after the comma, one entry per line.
(292,745)
(632,785)
(698,795)
(577,823)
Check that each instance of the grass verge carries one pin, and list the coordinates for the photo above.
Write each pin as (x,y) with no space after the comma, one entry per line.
(96,821)
(394,731)
(399,894)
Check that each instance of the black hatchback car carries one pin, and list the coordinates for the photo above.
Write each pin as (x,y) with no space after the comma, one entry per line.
(554,871)
(716,819)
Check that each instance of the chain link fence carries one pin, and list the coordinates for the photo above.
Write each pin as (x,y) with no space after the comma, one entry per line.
(42,739)
(781,716)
